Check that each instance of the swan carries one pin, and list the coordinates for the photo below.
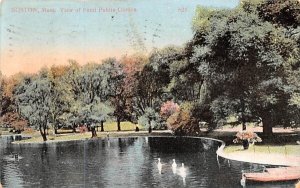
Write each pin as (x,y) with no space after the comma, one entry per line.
(182,171)
(159,165)
(174,166)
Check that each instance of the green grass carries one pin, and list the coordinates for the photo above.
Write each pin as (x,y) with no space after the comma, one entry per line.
(67,137)
(125,126)
(284,149)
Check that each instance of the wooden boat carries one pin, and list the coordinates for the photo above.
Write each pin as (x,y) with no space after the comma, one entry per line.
(274,175)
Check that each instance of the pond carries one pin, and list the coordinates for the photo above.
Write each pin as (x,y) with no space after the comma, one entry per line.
(120,162)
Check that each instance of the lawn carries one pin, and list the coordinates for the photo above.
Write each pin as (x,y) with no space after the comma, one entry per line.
(62,137)
(125,126)
(274,149)
(67,135)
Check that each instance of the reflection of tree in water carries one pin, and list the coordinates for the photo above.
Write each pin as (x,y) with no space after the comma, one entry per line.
(124,144)
(179,144)
(208,144)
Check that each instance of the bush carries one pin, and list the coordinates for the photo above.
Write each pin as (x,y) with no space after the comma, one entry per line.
(13,120)
(183,122)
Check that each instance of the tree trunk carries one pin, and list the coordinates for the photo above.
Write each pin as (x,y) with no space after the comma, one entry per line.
(102,126)
(74,128)
(119,124)
(243,114)
(150,128)
(94,133)
(43,133)
(267,123)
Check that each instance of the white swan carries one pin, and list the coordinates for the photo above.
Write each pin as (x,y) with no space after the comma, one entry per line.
(182,171)
(174,166)
(159,165)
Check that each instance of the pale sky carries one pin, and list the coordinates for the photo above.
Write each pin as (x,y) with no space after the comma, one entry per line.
(32,37)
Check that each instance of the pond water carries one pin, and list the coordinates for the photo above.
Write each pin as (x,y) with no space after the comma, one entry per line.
(120,162)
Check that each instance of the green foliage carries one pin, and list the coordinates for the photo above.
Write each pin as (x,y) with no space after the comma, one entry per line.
(33,98)
(151,118)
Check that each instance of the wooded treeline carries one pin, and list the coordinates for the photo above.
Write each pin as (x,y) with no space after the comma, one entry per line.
(241,62)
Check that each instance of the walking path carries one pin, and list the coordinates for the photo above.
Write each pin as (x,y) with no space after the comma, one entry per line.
(260,158)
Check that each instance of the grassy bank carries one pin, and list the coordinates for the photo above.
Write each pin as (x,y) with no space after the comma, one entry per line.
(87,135)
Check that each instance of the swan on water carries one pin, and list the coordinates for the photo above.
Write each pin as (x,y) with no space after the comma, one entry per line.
(159,165)
(174,166)
(182,171)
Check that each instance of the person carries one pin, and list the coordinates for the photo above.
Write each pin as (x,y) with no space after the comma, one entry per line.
(137,129)
(93,129)
(150,129)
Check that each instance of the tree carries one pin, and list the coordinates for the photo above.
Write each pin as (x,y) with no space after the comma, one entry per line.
(246,58)
(153,80)
(90,88)
(33,97)
(152,120)
(117,91)
(132,67)
(60,94)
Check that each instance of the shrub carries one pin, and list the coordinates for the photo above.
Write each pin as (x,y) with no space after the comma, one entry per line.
(246,135)
(183,122)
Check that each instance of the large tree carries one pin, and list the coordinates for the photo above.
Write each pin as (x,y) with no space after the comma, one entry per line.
(33,98)
(60,94)
(246,58)
(89,87)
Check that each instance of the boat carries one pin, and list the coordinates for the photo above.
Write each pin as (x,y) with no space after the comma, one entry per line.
(273,175)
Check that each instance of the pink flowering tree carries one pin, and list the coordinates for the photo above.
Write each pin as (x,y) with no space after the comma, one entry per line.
(168,108)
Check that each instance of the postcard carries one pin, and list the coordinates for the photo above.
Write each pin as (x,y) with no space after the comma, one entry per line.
(149,93)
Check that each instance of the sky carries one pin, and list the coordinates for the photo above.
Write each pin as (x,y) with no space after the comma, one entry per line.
(37,33)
